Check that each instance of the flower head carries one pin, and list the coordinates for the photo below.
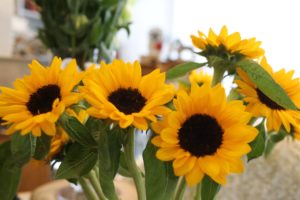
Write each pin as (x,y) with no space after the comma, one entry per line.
(205,135)
(229,46)
(261,105)
(200,77)
(119,92)
(38,100)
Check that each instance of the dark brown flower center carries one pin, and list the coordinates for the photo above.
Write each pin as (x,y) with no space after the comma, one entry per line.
(200,135)
(42,100)
(127,100)
(267,101)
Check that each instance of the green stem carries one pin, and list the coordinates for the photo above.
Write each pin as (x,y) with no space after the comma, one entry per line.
(180,189)
(132,167)
(198,192)
(87,189)
(96,185)
(96,170)
(218,75)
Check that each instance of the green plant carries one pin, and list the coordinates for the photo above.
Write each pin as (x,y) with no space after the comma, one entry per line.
(75,28)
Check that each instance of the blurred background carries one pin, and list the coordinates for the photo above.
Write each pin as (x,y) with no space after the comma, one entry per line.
(157,33)
(275,24)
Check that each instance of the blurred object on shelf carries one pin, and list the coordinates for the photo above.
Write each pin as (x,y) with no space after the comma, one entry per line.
(149,64)
(28,8)
(177,49)
(155,43)
(175,57)
(30,48)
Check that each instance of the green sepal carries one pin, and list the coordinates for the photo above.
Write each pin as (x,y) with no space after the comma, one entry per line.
(258,145)
(42,147)
(22,148)
(159,176)
(219,62)
(10,173)
(96,32)
(209,188)
(77,131)
(265,83)
(78,161)
(273,139)
(182,69)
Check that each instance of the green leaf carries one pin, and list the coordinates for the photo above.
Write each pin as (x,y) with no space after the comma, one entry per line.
(77,131)
(10,173)
(42,147)
(96,32)
(78,162)
(109,151)
(22,148)
(266,84)
(159,177)
(258,145)
(209,188)
(182,69)
(95,126)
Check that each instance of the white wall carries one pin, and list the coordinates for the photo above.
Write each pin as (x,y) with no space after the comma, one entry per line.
(6,34)
(275,23)
(146,14)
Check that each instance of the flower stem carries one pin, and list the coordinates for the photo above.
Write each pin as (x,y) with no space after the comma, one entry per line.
(87,189)
(198,192)
(133,168)
(218,75)
(180,189)
(96,184)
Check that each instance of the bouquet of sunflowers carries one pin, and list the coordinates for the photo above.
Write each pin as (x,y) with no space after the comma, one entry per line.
(198,135)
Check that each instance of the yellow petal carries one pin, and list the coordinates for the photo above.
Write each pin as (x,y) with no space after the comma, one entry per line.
(194,176)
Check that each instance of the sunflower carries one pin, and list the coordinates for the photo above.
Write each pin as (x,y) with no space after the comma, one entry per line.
(200,77)
(229,45)
(261,105)
(61,138)
(38,100)
(119,92)
(205,135)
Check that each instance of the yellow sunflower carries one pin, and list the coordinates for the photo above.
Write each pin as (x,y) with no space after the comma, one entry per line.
(61,138)
(38,100)
(297,133)
(233,44)
(200,77)
(261,105)
(205,135)
(118,91)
